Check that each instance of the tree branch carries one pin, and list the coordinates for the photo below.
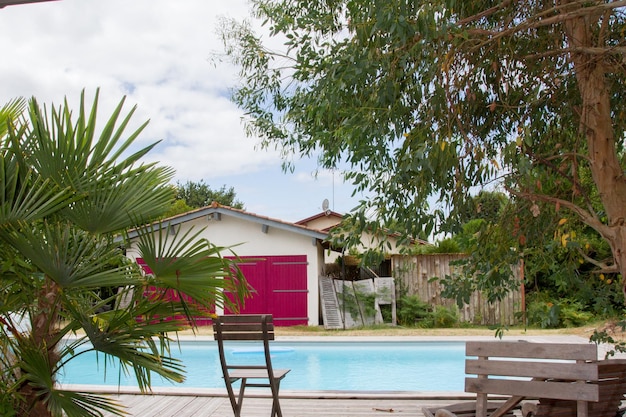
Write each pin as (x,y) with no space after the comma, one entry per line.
(567,155)
(585,216)
(538,21)
(485,13)
(572,179)
(602,266)
(617,50)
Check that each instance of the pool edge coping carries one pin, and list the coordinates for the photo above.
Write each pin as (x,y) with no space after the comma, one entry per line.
(294,394)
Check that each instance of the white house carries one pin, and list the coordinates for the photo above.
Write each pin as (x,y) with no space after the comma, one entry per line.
(282,261)
(286,259)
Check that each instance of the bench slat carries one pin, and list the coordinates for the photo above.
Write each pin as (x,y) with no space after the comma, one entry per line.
(519,349)
(244,336)
(570,371)
(534,389)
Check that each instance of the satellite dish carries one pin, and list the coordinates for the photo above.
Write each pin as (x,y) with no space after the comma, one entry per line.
(325,204)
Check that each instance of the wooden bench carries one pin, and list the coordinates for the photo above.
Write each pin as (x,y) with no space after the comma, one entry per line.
(567,379)
(552,370)
(612,384)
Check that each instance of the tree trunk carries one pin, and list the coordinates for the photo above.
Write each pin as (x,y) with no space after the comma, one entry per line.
(42,338)
(597,127)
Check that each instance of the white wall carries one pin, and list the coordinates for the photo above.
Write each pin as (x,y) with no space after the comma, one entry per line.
(248,239)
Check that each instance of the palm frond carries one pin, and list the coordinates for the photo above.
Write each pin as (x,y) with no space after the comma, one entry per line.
(127,336)
(10,112)
(25,195)
(71,257)
(114,203)
(108,148)
(34,366)
(108,188)
(27,198)
(82,404)
(192,266)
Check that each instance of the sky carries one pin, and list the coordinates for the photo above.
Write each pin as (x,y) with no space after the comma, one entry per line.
(157,54)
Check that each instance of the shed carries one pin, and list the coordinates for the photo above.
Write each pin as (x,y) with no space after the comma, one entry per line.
(284,260)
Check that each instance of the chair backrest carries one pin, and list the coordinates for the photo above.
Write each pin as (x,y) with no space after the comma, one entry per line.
(244,327)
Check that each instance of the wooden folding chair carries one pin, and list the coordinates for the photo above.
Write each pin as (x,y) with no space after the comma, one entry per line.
(248,327)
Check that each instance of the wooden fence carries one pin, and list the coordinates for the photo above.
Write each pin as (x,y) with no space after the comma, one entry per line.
(415,273)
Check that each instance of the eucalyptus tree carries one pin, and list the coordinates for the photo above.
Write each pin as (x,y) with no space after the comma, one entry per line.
(428,101)
(68,192)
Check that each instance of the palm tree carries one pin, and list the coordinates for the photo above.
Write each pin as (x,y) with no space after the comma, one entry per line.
(67,195)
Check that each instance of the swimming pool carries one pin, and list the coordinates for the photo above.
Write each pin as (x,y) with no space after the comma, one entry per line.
(325,365)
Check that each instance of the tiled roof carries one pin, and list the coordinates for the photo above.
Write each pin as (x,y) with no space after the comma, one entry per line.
(241,214)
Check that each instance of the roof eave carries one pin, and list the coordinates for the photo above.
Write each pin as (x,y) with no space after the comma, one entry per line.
(4,3)
(239,214)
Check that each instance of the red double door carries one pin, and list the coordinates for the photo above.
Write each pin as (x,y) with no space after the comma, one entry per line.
(279,287)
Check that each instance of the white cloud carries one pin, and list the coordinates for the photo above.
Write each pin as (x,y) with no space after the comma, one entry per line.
(157,53)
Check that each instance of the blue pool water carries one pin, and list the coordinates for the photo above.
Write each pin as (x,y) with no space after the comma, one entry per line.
(370,366)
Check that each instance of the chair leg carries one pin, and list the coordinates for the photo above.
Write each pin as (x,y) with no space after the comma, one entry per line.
(236,405)
(242,388)
(276,411)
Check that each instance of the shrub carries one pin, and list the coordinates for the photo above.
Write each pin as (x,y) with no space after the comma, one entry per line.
(411,310)
(442,317)
(545,312)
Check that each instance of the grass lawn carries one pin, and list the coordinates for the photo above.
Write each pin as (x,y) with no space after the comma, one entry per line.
(584,331)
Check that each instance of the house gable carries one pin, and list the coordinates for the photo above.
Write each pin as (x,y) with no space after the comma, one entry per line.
(323,221)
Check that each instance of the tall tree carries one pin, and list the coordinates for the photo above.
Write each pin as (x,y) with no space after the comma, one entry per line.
(486,205)
(199,194)
(428,101)
(67,195)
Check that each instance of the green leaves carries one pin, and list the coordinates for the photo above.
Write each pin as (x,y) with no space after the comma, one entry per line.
(60,251)
(199,194)
(425,104)
(9,113)
(69,192)
(459,80)
(26,196)
(109,191)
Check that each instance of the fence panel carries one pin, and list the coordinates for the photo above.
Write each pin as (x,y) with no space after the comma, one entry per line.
(415,273)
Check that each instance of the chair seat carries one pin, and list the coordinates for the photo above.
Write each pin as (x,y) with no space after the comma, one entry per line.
(256,373)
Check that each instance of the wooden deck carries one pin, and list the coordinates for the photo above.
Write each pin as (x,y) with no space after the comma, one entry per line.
(208,406)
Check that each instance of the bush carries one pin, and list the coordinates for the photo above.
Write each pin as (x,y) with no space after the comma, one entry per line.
(411,310)
(442,317)
(544,312)
(573,314)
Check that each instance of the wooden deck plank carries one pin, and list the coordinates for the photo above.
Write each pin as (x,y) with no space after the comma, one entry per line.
(201,406)
(186,406)
(150,405)
(172,406)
